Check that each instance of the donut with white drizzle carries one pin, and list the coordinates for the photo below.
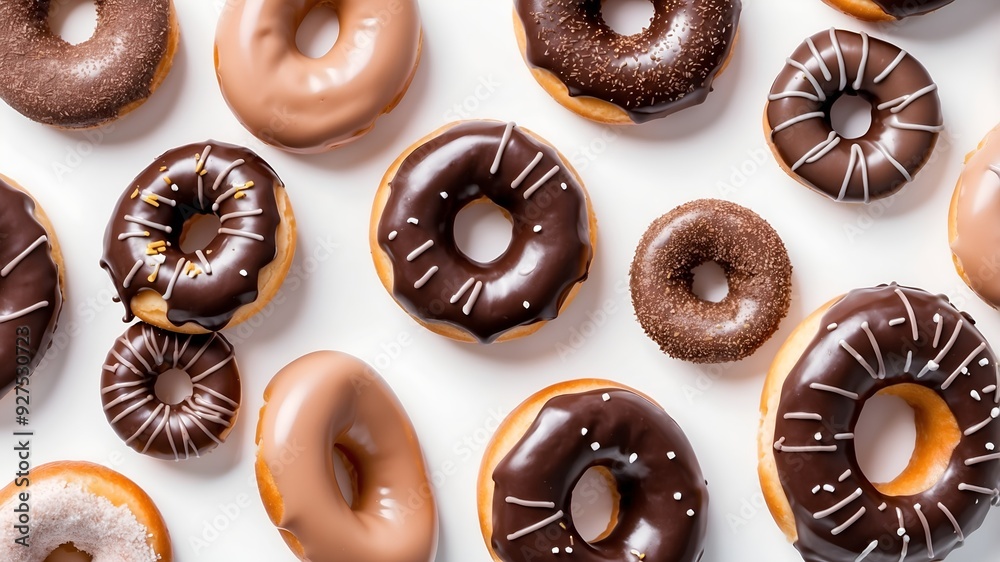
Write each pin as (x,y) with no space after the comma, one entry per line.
(31,293)
(198,423)
(906,116)
(898,341)
(542,450)
(413,241)
(229,279)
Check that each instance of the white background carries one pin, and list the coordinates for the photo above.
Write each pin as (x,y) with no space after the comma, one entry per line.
(456,393)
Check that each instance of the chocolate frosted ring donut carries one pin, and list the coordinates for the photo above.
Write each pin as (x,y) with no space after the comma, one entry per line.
(80,86)
(542,450)
(228,280)
(757,269)
(608,77)
(906,116)
(892,340)
(31,285)
(197,424)
(413,243)
(878,10)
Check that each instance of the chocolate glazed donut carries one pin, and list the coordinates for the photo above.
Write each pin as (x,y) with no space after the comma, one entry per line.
(413,230)
(80,86)
(873,10)
(667,67)
(900,341)
(906,116)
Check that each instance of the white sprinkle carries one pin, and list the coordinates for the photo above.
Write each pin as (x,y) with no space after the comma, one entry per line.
(419,283)
(690,513)
(632,458)
(816,489)
(243,272)
(845,475)
(984,362)
(818,436)
(671,455)
(412,220)
(595,445)
(444,195)
(990,446)
(555,550)
(882,506)
(563,186)
(173,187)
(393,235)
(569,550)
(975,396)
(606,396)
(896,321)
(526,304)
(467,309)
(538,228)
(677,496)
(829,488)
(583,431)
(994,413)
(832,327)
(843,436)
(420,250)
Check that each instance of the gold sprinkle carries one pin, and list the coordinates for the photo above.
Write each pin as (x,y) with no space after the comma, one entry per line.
(135,193)
(199,164)
(239,195)
(167,179)
(152,276)
(163,168)
(561,524)
(248,184)
(151,199)
(637,554)
(203,172)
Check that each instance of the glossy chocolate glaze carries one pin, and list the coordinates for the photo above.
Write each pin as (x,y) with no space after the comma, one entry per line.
(53,82)
(667,67)
(30,295)
(549,252)
(905,345)
(902,8)
(327,400)
(977,232)
(757,269)
(205,290)
(196,425)
(664,498)
(906,116)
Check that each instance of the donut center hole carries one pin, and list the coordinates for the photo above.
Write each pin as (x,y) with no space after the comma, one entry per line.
(173,386)
(319,31)
(851,116)
(75,21)
(483,231)
(68,553)
(627,17)
(346,476)
(904,439)
(198,232)
(594,506)
(709,282)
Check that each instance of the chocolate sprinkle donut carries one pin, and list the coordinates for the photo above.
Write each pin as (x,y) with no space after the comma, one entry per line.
(196,425)
(78,86)
(756,265)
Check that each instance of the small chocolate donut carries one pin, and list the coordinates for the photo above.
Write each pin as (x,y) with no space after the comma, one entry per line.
(31,288)
(880,10)
(81,86)
(893,340)
(542,450)
(413,240)
(196,425)
(756,265)
(228,280)
(906,116)
(608,77)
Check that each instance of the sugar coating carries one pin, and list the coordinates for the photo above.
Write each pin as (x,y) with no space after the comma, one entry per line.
(63,512)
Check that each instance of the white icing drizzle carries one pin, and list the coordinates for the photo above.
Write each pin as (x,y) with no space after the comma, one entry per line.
(982,459)
(792,94)
(419,283)
(20,257)
(843,436)
(841,64)
(864,62)
(819,151)
(779,445)
(538,184)
(157,197)
(150,224)
(892,160)
(820,94)
(844,476)
(803,416)
(927,530)
(954,522)
(897,321)
(796,120)
(902,102)
(420,250)
(859,358)
(843,527)
(201,192)
(123,362)
(875,347)
(868,550)
(902,524)
(536,526)
(222,176)
(173,279)
(838,506)
(963,366)
(822,64)
(937,331)
(524,174)
(227,194)
(909,361)
(503,146)
(131,274)
(242,233)
(897,124)
(461,291)
(23,312)
(909,312)
(240,214)
(136,234)
(467,309)
(963,487)
(204,262)
(201,159)
(892,66)
(529,503)
(834,390)
(936,362)
(211,370)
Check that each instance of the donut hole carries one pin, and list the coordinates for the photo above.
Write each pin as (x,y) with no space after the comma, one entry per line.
(594,505)
(709,282)
(904,439)
(627,17)
(75,21)
(319,30)
(483,231)
(198,232)
(173,386)
(346,475)
(68,553)
(851,115)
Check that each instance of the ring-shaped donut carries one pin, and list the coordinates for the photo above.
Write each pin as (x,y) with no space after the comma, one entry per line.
(328,403)
(883,10)
(82,86)
(893,340)
(757,269)
(906,116)
(542,450)
(228,280)
(195,425)
(74,507)
(413,239)
(310,105)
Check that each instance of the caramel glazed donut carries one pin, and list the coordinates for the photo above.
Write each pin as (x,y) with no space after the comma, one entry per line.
(972,226)
(69,507)
(199,422)
(231,278)
(31,287)
(757,269)
(544,447)
(906,116)
(879,10)
(311,105)
(884,340)
(83,86)
(611,78)
(413,242)
(329,402)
